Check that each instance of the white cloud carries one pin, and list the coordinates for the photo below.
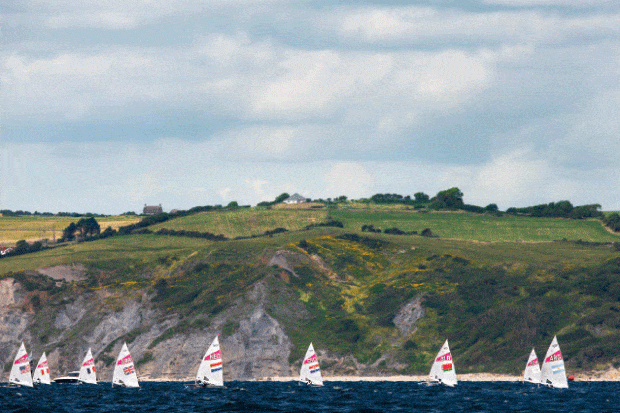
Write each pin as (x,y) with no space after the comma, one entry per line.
(347,178)
(101,19)
(74,83)
(225,193)
(255,143)
(509,178)
(312,81)
(374,88)
(592,139)
(421,25)
(566,3)
(257,186)
(125,14)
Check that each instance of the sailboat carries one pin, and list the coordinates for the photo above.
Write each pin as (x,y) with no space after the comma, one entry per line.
(553,373)
(310,372)
(42,372)
(532,369)
(124,371)
(443,370)
(87,370)
(210,371)
(20,372)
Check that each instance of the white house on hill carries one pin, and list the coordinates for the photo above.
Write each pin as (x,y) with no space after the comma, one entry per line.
(295,199)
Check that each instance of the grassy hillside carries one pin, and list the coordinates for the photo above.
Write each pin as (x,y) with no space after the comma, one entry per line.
(255,221)
(244,222)
(476,227)
(493,300)
(451,225)
(119,254)
(34,228)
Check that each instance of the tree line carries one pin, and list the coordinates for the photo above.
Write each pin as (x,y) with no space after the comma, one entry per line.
(20,213)
(452,199)
(561,209)
(612,221)
(449,199)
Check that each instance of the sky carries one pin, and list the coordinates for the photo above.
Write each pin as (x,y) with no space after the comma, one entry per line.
(108,105)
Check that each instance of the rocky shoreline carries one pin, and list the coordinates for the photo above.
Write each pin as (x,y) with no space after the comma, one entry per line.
(611,374)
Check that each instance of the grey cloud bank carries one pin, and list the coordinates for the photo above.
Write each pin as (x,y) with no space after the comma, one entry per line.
(109,105)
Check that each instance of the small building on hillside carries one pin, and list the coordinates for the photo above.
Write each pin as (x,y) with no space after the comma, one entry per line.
(295,199)
(152,209)
(6,250)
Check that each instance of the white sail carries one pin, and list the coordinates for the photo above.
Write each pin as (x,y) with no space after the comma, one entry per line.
(124,370)
(310,371)
(553,373)
(210,371)
(443,370)
(532,369)
(20,372)
(87,369)
(42,372)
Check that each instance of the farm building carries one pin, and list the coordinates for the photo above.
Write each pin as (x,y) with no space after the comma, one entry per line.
(152,209)
(6,250)
(295,199)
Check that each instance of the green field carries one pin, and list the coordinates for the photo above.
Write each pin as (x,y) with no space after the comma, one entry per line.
(136,250)
(244,222)
(254,221)
(34,228)
(132,251)
(476,227)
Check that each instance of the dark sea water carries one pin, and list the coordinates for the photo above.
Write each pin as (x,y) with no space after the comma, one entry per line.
(366,397)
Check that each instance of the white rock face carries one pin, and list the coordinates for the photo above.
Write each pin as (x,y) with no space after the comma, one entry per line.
(408,315)
(13,320)
(254,344)
(10,293)
(256,347)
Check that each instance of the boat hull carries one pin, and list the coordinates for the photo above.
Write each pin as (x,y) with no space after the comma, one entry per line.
(67,380)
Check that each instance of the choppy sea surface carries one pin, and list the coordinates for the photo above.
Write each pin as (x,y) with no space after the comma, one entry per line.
(240,396)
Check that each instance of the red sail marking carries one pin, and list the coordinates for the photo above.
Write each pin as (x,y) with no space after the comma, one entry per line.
(89,363)
(557,356)
(22,359)
(217,355)
(311,359)
(125,360)
(533,362)
(44,364)
(445,357)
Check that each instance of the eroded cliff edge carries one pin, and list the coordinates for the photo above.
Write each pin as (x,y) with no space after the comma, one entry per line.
(63,317)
